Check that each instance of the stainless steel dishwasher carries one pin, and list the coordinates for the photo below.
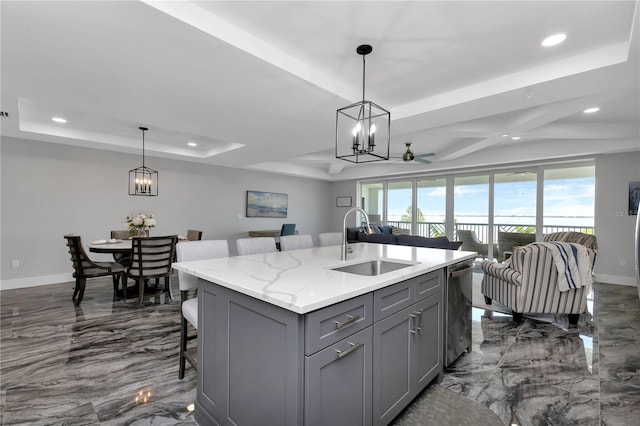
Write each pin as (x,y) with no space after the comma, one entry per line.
(457,316)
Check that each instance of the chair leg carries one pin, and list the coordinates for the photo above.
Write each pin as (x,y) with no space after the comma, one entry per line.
(167,286)
(76,289)
(140,290)
(183,346)
(82,282)
(123,279)
(116,281)
(573,319)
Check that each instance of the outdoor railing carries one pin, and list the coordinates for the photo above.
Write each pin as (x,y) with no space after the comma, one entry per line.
(437,229)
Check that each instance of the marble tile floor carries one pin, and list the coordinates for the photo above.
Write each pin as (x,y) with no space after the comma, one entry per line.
(62,364)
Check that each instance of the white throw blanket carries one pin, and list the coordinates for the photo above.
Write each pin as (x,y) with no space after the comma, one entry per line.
(573,263)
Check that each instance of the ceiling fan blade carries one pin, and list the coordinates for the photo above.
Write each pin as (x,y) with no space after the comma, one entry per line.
(431,154)
(421,160)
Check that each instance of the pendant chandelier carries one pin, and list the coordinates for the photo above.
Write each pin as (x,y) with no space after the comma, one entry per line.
(143,180)
(363,128)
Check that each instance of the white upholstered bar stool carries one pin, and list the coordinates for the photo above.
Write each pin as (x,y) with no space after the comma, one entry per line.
(256,245)
(330,239)
(294,242)
(186,251)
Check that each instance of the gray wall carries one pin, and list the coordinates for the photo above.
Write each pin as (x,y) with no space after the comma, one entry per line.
(614,227)
(49,190)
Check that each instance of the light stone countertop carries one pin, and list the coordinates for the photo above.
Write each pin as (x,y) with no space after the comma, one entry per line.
(302,280)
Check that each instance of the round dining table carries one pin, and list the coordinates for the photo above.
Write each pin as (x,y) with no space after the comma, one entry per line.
(119,247)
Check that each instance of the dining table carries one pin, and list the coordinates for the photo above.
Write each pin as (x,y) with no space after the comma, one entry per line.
(121,247)
(117,247)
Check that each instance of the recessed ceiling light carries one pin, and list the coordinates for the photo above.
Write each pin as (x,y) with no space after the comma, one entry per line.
(591,110)
(515,138)
(59,120)
(554,40)
(505,135)
(192,144)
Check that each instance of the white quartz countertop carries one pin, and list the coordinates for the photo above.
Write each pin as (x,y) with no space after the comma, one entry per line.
(303,280)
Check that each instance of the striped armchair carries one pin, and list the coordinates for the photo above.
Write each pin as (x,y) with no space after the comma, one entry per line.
(529,284)
(587,240)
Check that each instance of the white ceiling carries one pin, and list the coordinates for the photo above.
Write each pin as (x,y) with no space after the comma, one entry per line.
(257,84)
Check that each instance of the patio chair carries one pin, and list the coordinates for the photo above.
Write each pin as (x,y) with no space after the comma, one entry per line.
(470,242)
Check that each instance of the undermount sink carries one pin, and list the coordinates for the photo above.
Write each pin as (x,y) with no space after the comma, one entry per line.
(372,267)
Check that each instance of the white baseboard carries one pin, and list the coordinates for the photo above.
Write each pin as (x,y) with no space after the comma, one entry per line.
(616,279)
(35,281)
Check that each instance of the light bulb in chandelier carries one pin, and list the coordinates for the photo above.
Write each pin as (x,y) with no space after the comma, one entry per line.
(372,137)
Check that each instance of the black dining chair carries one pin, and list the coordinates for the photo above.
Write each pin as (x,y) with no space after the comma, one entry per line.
(84,267)
(287,229)
(122,258)
(151,257)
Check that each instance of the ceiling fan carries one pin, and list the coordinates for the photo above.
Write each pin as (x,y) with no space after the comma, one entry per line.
(409,156)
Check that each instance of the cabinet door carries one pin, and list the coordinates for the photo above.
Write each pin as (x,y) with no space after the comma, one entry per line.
(392,342)
(250,360)
(338,382)
(426,354)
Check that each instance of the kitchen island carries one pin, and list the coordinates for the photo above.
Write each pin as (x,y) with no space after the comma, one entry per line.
(284,338)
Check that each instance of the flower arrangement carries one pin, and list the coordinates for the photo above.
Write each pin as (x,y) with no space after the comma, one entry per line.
(139,224)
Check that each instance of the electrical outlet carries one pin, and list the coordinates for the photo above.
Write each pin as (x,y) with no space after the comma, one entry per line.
(623,262)
(15,264)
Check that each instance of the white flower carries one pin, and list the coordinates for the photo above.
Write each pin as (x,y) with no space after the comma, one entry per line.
(140,220)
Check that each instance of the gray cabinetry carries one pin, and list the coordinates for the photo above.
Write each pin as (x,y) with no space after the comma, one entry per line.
(250,361)
(338,383)
(407,345)
(357,362)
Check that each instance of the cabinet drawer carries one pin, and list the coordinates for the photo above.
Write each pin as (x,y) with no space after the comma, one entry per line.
(428,284)
(392,299)
(327,326)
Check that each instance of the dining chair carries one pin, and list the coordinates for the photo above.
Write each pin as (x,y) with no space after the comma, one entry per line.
(293,242)
(121,258)
(194,235)
(256,245)
(186,251)
(84,268)
(151,257)
(330,239)
(287,229)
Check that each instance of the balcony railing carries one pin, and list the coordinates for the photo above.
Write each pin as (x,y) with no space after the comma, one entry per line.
(437,229)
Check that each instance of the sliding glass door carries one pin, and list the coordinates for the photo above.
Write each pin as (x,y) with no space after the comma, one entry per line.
(431,207)
(569,199)
(535,200)
(471,205)
(514,201)
(400,205)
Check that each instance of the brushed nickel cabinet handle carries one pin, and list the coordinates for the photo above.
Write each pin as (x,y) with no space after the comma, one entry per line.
(353,347)
(352,319)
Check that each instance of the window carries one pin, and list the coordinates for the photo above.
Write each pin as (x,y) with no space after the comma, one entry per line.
(431,207)
(536,200)
(569,199)
(471,204)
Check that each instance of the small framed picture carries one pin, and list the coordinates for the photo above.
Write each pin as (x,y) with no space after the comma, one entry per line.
(343,201)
